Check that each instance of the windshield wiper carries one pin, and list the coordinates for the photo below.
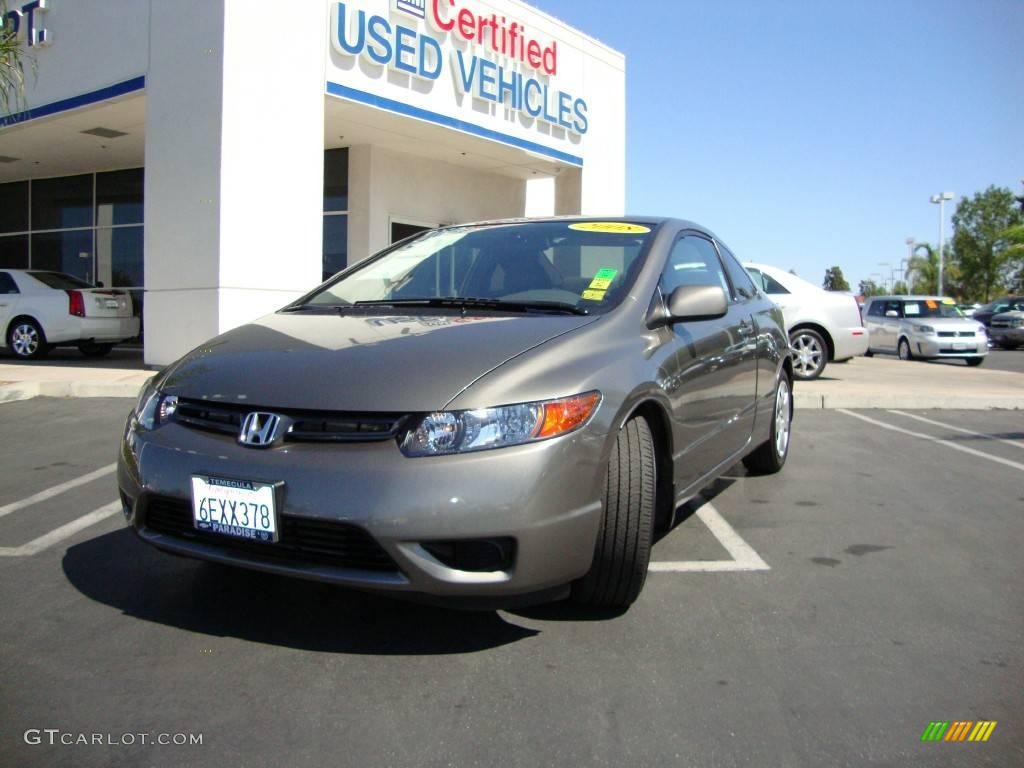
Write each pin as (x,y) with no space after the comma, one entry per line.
(322,308)
(471,302)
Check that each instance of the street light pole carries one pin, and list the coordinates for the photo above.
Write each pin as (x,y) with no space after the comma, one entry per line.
(941,200)
(885,264)
(910,258)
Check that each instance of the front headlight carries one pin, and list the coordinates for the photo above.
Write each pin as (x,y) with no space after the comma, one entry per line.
(447,432)
(153,407)
(924,329)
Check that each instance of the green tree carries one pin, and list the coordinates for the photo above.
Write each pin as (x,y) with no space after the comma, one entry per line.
(12,66)
(1014,239)
(834,280)
(923,271)
(899,289)
(870,288)
(985,255)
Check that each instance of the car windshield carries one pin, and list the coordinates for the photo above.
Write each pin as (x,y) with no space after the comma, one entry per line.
(931,308)
(59,280)
(574,266)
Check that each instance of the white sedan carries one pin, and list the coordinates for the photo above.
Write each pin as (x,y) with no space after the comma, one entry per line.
(823,326)
(41,309)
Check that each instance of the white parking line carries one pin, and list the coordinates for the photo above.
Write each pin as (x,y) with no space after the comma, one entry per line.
(744,556)
(64,532)
(1014,443)
(56,490)
(940,441)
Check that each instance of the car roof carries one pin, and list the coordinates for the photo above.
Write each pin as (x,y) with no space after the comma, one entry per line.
(914,297)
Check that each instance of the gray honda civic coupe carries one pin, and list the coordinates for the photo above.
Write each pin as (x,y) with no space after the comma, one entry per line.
(487,415)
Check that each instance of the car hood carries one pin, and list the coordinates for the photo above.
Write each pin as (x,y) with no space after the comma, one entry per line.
(358,362)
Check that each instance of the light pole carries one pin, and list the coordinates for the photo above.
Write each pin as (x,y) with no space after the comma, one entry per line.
(941,200)
(885,264)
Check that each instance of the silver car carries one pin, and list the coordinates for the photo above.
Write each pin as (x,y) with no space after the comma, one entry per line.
(925,327)
(499,412)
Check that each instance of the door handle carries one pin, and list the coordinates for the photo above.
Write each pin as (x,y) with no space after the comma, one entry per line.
(745,328)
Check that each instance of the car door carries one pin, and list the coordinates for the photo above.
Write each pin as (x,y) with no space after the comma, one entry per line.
(711,376)
(8,301)
(874,321)
(891,324)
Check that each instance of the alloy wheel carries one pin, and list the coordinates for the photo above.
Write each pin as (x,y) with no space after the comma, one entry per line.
(25,340)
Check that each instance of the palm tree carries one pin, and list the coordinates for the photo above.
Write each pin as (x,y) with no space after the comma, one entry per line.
(12,67)
(923,271)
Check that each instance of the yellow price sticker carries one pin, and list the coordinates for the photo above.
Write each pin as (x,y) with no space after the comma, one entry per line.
(948,301)
(599,284)
(594,295)
(610,227)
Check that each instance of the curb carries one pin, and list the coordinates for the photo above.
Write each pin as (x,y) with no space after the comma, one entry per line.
(13,392)
(807,401)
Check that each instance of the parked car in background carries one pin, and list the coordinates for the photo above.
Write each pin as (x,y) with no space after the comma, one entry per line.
(926,327)
(40,310)
(823,326)
(968,309)
(1007,328)
(499,411)
(985,313)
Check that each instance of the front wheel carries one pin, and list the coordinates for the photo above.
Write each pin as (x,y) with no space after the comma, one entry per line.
(623,548)
(904,350)
(810,353)
(769,457)
(27,340)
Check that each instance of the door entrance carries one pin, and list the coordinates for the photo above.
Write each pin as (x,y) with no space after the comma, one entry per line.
(401,230)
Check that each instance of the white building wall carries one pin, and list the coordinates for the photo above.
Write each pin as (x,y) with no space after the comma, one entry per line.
(234,179)
(386,185)
(93,44)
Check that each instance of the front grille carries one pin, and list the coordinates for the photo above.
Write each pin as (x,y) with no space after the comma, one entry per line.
(304,426)
(302,540)
(955,334)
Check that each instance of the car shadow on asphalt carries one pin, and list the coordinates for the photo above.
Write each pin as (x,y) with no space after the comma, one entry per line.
(118,570)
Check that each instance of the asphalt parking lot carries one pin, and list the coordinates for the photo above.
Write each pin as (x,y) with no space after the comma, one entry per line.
(821,617)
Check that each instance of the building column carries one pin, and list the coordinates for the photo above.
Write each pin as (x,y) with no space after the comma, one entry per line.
(234,167)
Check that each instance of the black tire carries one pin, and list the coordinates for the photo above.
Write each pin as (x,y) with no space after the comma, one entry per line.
(770,457)
(1008,346)
(903,350)
(974,362)
(810,353)
(26,340)
(92,349)
(869,353)
(623,548)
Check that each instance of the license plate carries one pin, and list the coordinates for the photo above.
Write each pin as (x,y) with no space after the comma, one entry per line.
(111,303)
(238,508)
(959,345)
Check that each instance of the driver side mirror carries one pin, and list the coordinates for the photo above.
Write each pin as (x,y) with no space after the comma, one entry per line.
(892,313)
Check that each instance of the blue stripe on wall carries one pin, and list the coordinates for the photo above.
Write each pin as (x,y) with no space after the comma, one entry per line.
(449,122)
(118,89)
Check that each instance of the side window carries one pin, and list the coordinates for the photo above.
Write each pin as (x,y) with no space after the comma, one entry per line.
(895,306)
(7,284)
(771,285)
(740,279)
(758,277)
(877,309)
(693,261)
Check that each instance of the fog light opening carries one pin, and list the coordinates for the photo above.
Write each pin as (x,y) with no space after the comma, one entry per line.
(474,555)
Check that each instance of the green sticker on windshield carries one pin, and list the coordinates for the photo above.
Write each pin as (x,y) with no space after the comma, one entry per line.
(606,273)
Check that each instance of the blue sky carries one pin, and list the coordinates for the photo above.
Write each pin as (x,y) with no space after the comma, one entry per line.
(808,134)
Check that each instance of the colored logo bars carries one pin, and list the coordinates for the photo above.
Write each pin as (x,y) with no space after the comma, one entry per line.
(413,7)
(958,730)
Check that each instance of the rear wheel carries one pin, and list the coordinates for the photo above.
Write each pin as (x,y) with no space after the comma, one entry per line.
(623,548)
(92,349)
(810,353)
(26,339)
(869,353)
(769,457)
(974,362)
(904,350)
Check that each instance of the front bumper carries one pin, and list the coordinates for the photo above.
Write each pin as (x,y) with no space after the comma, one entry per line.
(933,346)
(546,497)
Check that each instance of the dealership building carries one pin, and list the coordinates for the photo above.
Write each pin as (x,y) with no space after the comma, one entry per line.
(219,158)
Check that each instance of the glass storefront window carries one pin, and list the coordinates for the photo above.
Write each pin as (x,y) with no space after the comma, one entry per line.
(119,197)
(68,251)
(62,203)
(119,256)
(336,180)
(335,244)
(14,252)
(14,207)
